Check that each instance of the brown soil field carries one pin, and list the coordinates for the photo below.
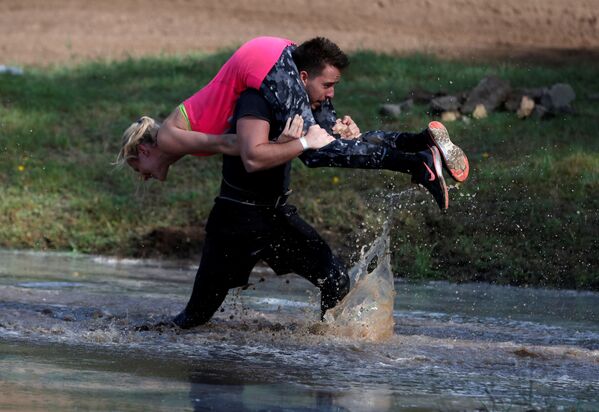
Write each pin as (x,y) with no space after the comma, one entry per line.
(42,32)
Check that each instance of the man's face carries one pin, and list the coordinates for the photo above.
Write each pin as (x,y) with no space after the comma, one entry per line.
(321,87)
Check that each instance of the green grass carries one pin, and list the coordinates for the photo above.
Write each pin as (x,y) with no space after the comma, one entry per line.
(529,214)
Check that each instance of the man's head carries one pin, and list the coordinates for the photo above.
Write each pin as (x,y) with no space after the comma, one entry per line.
(320,63)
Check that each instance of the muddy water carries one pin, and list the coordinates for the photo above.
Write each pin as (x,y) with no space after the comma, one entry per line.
(68,340)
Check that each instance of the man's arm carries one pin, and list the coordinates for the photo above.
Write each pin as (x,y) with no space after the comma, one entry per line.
(258,153)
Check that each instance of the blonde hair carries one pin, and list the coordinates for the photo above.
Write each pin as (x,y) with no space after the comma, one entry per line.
(144,130)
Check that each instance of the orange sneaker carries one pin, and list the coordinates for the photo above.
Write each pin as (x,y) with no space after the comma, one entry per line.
(454,158)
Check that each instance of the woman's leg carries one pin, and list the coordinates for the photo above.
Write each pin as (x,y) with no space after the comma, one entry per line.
(405,141)
(356,154)
(284,91)
(454,158)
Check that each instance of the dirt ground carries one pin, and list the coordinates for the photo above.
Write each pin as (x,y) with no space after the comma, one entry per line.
(41,32)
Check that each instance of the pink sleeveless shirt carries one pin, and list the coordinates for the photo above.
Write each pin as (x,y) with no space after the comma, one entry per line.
(210,109)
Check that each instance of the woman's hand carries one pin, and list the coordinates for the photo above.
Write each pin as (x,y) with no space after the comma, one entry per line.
(294,129)
(347,128)
(317,137)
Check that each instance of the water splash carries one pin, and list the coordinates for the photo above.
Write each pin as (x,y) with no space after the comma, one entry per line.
(367,310)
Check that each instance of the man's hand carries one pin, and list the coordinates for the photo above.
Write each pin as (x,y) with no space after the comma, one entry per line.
(257,152)
(347,128)
(317,137)
(294,129)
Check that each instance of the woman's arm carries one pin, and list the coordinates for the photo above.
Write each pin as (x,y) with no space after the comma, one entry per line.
(174,138)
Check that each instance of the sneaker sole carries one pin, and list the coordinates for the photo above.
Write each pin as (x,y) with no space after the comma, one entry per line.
(453,157)
(439,173)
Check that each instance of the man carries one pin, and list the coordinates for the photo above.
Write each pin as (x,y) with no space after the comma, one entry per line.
(251,219)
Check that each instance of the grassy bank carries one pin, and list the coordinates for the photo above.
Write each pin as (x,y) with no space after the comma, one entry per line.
(529,214)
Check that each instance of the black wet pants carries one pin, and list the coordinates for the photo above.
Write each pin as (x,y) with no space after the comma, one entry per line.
(239,235)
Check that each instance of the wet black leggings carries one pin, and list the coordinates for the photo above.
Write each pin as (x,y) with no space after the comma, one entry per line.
(284,91)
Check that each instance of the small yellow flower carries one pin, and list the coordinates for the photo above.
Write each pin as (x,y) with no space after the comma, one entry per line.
(485,155)
(336,180)
(21,168)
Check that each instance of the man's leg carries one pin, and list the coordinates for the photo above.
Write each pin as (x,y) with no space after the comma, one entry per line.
(221,268)
(299,248)
(227,261)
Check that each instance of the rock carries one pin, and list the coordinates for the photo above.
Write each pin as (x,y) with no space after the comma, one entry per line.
(391,110)
(513,101)
(541,112)
(480,111)
(394,110)
(526,108)
(406,105)
(535,93)
(421,96)
(450,116)
(445,104)
(16,71)
(490,92)
(558,98)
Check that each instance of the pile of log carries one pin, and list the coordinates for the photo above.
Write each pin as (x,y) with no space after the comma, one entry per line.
(491,94)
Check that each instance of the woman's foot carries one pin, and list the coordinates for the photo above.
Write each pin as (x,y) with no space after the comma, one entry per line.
(454,159)
(430,175)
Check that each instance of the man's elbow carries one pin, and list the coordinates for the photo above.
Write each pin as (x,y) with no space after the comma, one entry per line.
(252,165)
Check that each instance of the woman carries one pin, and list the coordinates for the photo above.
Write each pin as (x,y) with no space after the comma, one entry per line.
(197,125)
(150,148)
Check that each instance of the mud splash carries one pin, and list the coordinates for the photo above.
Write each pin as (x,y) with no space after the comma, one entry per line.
(367,310)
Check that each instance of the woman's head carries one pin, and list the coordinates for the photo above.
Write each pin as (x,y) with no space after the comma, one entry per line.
(139,149)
